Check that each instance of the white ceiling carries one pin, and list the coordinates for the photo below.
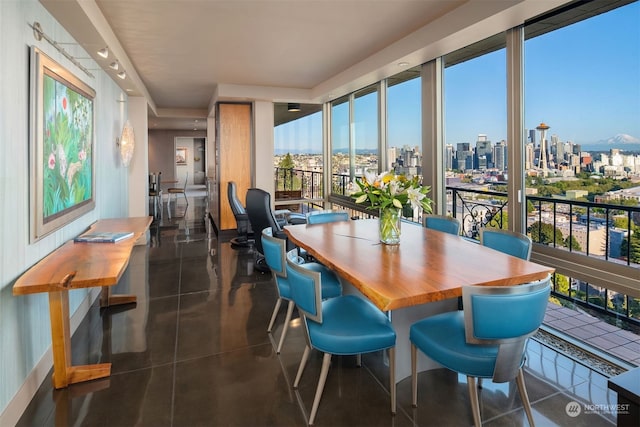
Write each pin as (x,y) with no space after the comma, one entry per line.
(184,55)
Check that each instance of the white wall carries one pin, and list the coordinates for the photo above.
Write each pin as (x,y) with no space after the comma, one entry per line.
(25,336)
(263,146)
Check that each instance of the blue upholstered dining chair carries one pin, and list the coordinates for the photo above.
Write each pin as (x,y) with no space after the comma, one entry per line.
(486,340)
(275,257)
(346,325)
(447,224)
(322,217)
(509,242)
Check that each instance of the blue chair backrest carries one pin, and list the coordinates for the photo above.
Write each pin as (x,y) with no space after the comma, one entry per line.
(442,223)
(274,252)
(322,217)
(499,314)
(306,289)
(506,241)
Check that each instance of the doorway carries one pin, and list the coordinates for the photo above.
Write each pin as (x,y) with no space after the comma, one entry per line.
(190,160)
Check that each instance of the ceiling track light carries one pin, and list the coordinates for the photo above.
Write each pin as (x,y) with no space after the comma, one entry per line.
(114,65)
(122,75)
(104,52)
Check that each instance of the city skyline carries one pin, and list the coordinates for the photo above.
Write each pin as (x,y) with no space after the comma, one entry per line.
(564,88)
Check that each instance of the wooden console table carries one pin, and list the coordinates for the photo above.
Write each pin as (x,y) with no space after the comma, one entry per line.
(81,265)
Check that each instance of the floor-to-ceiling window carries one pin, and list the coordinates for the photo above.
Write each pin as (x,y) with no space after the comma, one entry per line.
(341,162)
(475,123)
(297,157)
(365,130)
(404,131)
(582,104)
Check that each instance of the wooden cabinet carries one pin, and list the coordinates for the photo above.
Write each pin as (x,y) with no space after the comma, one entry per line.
(233,149)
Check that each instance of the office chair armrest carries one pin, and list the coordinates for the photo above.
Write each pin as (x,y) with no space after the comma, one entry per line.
(296,218)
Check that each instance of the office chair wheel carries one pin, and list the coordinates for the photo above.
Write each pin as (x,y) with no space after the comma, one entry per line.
(261,265)
(241,242)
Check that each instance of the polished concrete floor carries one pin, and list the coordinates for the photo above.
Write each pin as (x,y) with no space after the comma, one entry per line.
(194,351)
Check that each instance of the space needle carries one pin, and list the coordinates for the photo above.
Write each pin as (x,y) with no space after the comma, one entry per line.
(543,148)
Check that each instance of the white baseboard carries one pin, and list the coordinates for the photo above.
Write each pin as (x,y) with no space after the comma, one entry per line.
(16,407)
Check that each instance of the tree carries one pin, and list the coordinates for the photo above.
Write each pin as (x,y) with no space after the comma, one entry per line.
(572,243)
(286,162)
(632,245)
(541,232)
(561,284)
(286,179)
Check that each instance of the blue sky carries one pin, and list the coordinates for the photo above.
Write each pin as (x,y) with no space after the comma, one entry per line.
(583,81)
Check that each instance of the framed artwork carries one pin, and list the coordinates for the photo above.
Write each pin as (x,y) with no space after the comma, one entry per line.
(181,155)
(62,176)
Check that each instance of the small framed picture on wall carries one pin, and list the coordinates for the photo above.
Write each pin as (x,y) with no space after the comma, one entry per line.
(181,155)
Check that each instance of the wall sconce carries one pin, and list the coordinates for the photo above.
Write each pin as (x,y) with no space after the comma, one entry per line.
(293,106)
(114,65)
(122,75)
(127,144)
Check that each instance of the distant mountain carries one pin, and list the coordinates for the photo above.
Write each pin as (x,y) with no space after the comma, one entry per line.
(622,141)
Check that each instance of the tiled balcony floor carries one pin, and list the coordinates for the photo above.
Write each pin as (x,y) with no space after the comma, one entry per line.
(622,344)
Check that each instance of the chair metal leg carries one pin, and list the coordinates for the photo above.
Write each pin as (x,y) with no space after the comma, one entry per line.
(275,314)
(358,360)
(326,363)
(303,363)
(392,378)
(524,396)
(475,402)
(287,319)
(414,376)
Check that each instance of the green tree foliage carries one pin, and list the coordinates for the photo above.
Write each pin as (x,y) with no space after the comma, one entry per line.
(561,284)
(541,232)
(286,162)
(571,242)
(287,179)
(634,244)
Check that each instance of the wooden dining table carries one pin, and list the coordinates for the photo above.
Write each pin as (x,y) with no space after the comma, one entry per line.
(421,276)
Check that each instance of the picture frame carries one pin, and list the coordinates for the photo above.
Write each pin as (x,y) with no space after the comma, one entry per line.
(181,155)
(61,145)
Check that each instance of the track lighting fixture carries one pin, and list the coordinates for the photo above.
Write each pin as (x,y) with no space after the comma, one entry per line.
(104,52)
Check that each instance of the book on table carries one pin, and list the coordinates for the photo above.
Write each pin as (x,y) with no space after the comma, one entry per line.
(104,237)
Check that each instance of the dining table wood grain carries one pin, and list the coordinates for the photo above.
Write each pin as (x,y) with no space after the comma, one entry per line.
(427,266)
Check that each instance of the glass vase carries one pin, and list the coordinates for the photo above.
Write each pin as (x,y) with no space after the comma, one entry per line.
(389,225)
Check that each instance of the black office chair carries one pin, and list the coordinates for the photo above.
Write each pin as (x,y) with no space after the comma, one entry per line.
(245,232)
(261,216)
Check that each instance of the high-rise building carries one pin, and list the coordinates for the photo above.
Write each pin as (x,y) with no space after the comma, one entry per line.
(448,157)
(484,150)
(500,155)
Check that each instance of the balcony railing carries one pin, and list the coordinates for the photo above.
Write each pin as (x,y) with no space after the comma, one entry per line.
(583,230)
